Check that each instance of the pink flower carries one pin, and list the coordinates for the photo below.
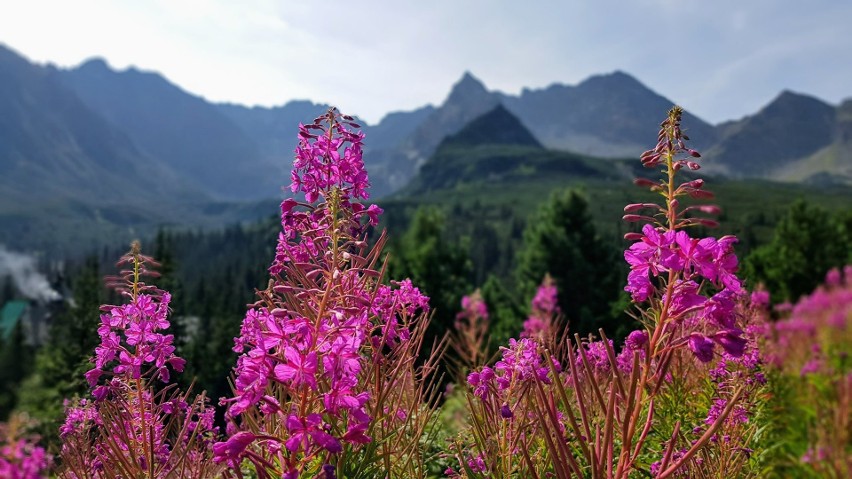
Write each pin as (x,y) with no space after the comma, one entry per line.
(233,448)
(299,368)
(701,346)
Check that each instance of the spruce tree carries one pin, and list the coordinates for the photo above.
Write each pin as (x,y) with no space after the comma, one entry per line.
(807,243)
(561,240)
(440,268)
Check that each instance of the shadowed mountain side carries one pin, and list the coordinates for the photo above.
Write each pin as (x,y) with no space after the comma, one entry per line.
(788,129)
(182,130)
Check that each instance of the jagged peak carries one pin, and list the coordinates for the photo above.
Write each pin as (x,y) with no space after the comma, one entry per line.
(467,86)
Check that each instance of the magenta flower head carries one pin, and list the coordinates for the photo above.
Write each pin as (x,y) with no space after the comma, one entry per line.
(132,429)
(688,282)
(701,346)
(732,341)
(231,449)
(636,340)
(328,339)
(541,323)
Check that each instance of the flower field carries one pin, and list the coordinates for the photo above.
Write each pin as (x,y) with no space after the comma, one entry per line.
(338,374)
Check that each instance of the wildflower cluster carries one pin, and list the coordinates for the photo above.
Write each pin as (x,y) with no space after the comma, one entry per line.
(808,349)
(469,333)
(131,428)
(672,270)
(541,323)
(20,455)
(327,353)
(588,410)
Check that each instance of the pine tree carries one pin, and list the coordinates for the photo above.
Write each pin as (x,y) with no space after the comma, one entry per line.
(807,242)
(561,240)
(441,269)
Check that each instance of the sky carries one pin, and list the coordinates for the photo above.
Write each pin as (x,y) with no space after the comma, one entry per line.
(719,59)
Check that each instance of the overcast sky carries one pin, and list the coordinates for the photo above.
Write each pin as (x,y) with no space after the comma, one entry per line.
(719,59)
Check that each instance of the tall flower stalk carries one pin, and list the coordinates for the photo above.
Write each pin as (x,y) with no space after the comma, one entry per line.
(589,409)
(136,424)
(327,383)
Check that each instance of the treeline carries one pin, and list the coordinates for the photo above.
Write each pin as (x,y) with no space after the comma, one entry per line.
(447,253)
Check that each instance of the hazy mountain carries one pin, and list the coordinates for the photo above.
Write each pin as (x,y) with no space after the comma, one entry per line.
(790,128)
(831,164)
(53,146)
(397,164)
(182,130)
(70,180)
(606,116)
(609,115)
(92,151)
(496,127)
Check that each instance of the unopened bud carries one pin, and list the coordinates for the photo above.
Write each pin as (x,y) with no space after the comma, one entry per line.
(701,194)
(633,236)
(644,182)
(694,153)
(693,184)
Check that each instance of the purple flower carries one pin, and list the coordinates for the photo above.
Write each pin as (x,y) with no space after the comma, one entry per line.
(306,432)
(636,339)
(731,341)
(299,369)
(701,346)
(232,449)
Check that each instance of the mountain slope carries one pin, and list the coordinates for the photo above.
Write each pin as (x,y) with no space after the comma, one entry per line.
(831,164)
(496,127)
(605,115)
(790,128)
(53,145)
(183,131)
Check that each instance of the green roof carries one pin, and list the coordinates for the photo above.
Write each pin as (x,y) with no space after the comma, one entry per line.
(10,315)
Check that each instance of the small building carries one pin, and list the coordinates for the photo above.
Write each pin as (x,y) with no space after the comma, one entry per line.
(34,317)
(13,313)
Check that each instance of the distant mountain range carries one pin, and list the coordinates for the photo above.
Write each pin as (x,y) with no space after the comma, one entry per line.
(84,140)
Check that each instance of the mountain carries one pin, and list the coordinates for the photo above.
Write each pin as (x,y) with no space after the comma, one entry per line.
(496,127)
(52,145)
(190,135)
(606,115)
(496,148)
(792,127)
(467,100)
(831,164)
(92,154)
(72,181)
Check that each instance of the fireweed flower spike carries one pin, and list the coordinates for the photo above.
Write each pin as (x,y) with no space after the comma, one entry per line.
(469,334)
(327,368)
(541,323)
(587,408)
(20,455)
(689,284)
(130,428)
